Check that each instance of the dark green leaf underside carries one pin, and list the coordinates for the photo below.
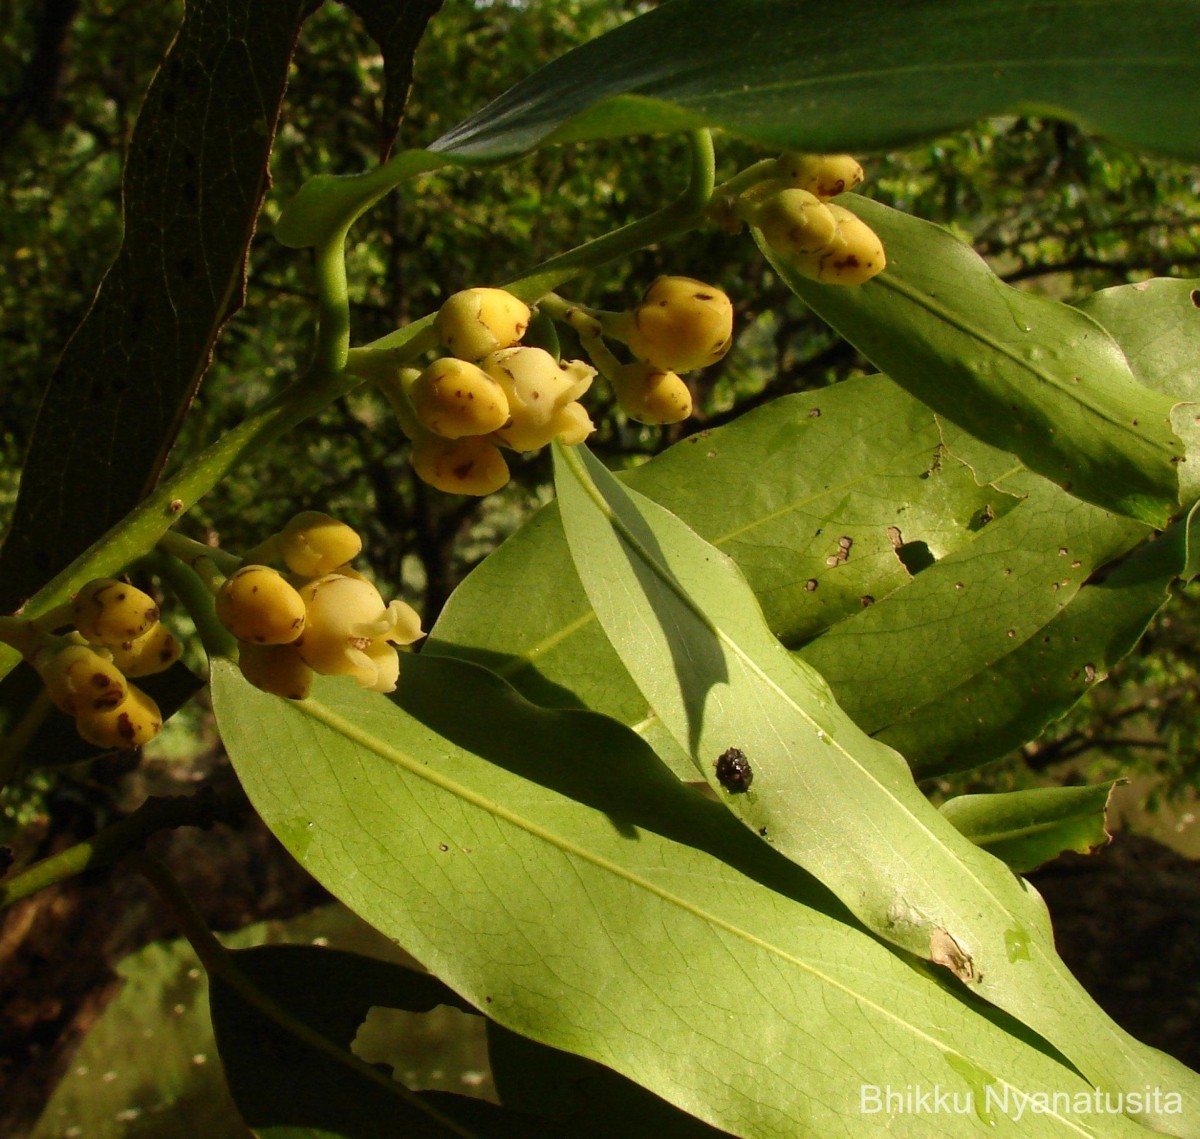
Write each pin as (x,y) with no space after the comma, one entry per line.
(860,75)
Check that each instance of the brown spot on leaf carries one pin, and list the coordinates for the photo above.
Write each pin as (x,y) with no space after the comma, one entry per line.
(945,950)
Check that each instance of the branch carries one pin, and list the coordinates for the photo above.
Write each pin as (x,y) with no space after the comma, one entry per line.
(157,813)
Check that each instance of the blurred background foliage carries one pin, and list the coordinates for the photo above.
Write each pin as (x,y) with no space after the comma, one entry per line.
(1051,209)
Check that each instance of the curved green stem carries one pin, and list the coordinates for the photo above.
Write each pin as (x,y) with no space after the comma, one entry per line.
(588,322)
(221,965)
(753,174)
(196,554)
(333,307)
(190,586)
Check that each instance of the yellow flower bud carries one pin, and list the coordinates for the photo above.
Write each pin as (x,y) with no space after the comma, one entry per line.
(854,256)
(474,322)
(312,543)
(110,612)
(682,324)
(537,387)
(825,175)
(453,398)
(257,604)
(278,669)
(793,222)
(349,631)
(472,465)
(652,395)
(572,424)
(77,679)
(154,651)
(132,723)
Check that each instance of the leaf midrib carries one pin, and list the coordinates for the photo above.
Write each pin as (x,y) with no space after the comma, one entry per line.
(337,723)
(1076,395)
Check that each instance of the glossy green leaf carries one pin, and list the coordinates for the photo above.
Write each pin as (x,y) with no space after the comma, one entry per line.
(284,1086)
(781,491)
(1029,375)
(691,634)
(115,400)
(958,619)
(1027,828)
(804,78)
(990,711)
(546,867)
(1011,699)
(1157,324)
(860,75)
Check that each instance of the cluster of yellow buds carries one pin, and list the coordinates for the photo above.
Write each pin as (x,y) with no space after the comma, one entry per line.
(322,617)
(818,238)
(117,637)
(681,324)
(492,392)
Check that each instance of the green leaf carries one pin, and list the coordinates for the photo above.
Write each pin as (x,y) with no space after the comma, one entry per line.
(546,867)
(859,75)
(939,640)
(1029,375)
(779,490)
(1157,324)
(327,204)
(114,403)
(690,632)
(1026,828)
(284,1086)
(823,79)
(583,1098)
(148,1067)
(1010,700)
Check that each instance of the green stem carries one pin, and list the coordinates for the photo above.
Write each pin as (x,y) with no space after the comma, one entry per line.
(584,320)
(395,390)
(210,562)
(197,596)
(23,635)
(333,307)
(114,842)
(383,358)
(221,965)
(744,179)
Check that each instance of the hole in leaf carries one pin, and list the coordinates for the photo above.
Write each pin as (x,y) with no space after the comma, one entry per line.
(915,556)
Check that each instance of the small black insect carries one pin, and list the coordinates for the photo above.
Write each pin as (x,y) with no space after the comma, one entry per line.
(733,771)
